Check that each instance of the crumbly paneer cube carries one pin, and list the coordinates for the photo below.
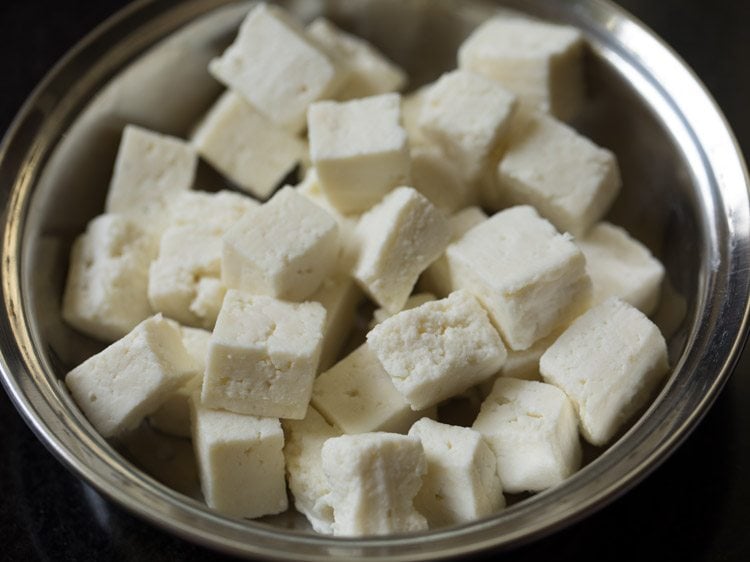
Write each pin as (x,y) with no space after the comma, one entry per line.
(106,293)
(369,73)
(571,181)
(398,239)
(245,146)
(217,211)
(620,266)
(340,296)
(284,248)
(437,277)
(540,62)
(240,461)
(531,279)
(359,397)
(359,150)
(263,356)
(533,431)
(439,349)
(304,467)
(173,416)
(418,299)
(436,177)
(127,381)
(461,483)
(276,67)
(373,479)
(468,116)
(185,280)
(150,170)
(608,362)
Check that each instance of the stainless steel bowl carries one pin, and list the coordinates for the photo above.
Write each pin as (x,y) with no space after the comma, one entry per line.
(685,195)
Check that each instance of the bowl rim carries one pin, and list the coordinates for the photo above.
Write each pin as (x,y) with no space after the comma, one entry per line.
(709,353)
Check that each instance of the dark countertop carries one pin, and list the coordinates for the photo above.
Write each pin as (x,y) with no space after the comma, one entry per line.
(696,506)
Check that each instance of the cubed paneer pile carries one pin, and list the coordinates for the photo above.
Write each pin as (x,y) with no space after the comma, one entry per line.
(442,245)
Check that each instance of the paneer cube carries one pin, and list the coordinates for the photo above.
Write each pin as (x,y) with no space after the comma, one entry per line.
(468,116)
(121,385)
(620,266)
(608,362)
(304,467)
(263,356)
(276,67)
(150,170)
(461,483)
(540,62)
(438,178)
(530,279)
(359,397)
(284,248)
(217,211)
(571,181)
(398,239)
(439,349)
(106,293)
(368,72)
(245,146)
(373,479)
(240,462)
(533,431)
(359,150)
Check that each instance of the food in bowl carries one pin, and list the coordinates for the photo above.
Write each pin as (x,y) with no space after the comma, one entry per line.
(512,275)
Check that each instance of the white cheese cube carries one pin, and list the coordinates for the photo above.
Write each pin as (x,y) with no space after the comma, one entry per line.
(437,277)
(411,109)
(150,170)
(541,62)
(263,356)
(368,72)
(461,483)
(439,349)
(620,266)
(130,379)
(359,150)
(571,181)
(340,296)
(217,211)
(398,239)
(245,146)
(284,248)
(304,467)
(185,274)
(608,362)
(436,177)
(413,301)
(530,279)
(468,116)
(275,66)
(106,293)
(240,461)
(533,431)
(373,479)
(358,396)
(173,416)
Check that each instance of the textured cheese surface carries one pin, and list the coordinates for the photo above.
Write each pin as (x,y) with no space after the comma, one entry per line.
(438,178)
(461,483)
(276,67)
(240,462)
(533,431)
(373,479)
(531,279)
(130,379)
(608,362)
(359,150)
(284,248)
(263,356)
(439,349)
(217,211)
